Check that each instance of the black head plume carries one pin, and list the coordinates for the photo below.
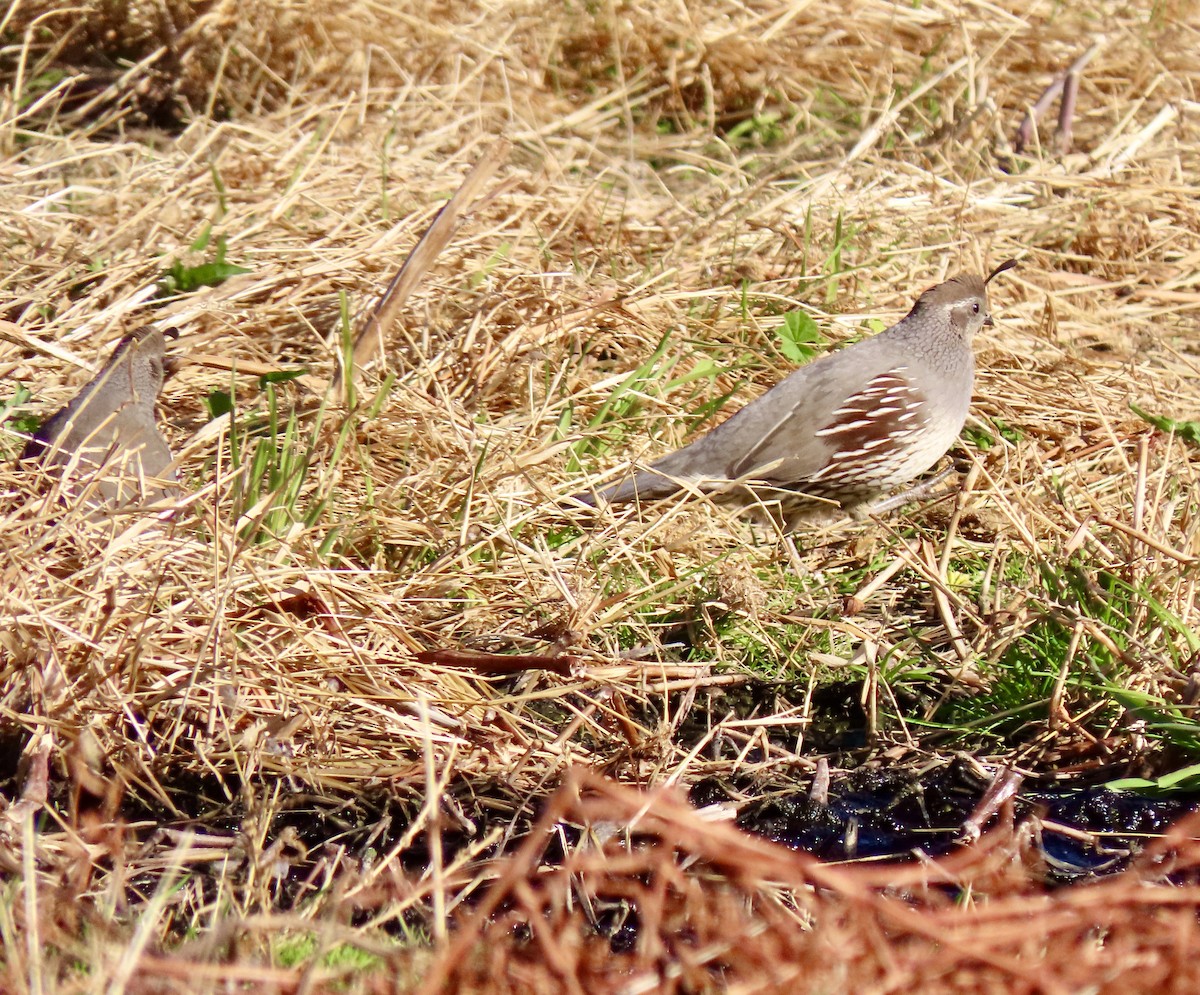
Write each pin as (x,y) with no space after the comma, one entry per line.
(1006,265)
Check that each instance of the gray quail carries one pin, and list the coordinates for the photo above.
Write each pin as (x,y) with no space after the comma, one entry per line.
(844,430)
(108,428)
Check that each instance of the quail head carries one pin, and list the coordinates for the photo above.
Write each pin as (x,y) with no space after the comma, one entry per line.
(108,430)
(842,431)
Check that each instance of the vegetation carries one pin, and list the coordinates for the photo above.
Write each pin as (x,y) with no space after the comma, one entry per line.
(326,726)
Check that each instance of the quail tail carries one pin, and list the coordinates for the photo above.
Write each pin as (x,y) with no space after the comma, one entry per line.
(644,486)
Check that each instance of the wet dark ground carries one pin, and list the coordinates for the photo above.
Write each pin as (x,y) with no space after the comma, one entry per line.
(880,809)
(873,813)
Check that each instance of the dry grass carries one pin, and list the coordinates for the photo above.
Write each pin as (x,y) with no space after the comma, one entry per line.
(720,911)
(280,669)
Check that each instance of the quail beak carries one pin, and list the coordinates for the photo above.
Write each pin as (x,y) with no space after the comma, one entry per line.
(987,321)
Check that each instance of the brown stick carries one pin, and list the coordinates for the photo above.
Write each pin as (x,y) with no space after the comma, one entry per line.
(369,345)
(500,663)
(1068,81)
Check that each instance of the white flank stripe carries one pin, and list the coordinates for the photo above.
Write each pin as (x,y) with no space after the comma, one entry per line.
(838,429)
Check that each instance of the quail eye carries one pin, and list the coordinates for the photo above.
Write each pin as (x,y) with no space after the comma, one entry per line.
(975,307)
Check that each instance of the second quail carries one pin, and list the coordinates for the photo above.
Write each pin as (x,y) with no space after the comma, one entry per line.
(108,429)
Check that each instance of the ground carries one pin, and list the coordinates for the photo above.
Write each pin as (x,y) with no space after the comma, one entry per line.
(373,706)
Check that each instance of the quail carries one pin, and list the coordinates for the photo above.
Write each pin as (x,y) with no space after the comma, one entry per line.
(108,430)
(845,430)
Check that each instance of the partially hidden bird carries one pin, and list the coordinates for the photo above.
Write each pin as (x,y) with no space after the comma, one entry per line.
(844,431)
(108,431)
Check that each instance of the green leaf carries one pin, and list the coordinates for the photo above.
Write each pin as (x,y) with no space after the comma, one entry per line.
(978,438)
(797,336)
(218,402)
(495,259)
(1139,784)
(206,275)
(280,376)
(1007,432)
(762,129)
(25,423)
(181,279)
(1184,780)
(202,240)
(705,369)
(1189,431)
